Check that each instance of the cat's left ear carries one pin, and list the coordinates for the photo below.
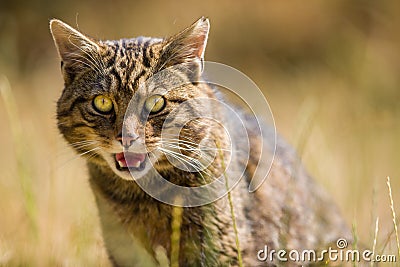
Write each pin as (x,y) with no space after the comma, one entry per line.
(188,46)
(75,49)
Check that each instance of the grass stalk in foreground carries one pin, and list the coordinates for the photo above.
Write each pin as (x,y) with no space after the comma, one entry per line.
(231,207)
(355,239)
(176,234)
(393,215)
(19,138)
(375,238)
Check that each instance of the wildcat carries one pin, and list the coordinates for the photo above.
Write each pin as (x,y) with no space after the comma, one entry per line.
(288,211)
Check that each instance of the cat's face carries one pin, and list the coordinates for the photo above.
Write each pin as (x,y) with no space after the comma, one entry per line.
(103,78)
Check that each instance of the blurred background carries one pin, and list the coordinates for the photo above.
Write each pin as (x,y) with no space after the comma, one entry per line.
(329,69)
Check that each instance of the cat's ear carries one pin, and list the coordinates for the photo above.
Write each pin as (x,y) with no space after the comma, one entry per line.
(188,46)
(75,49)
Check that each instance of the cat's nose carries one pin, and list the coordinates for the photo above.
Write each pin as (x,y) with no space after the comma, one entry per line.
(127,141)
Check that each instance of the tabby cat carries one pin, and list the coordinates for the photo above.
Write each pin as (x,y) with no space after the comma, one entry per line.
(289,211)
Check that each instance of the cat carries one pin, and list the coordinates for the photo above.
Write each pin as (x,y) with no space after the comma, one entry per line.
(288,211)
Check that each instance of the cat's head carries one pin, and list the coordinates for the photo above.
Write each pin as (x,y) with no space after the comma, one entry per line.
(101,78)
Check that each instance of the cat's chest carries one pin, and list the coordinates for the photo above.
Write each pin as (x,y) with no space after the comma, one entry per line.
(137,228)
(150,223)
(136,232)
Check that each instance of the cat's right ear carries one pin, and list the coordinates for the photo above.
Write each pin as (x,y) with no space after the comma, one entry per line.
(74,48)
(187,47)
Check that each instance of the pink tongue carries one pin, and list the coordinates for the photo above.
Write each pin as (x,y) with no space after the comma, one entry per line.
(129,159)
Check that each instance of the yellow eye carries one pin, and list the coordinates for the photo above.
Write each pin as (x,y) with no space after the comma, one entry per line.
(154,104)
(102,104)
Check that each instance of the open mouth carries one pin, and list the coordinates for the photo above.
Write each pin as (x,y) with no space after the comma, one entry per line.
(130,161)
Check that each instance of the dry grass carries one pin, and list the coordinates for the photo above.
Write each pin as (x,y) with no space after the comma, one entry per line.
(21,155)
(230,201)
(375,238)
(328,69)
(394,216)
(176,234)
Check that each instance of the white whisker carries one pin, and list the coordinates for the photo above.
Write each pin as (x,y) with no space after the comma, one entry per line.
(90,153)
(195,151)
(194,163)
(188,143)
(93,149)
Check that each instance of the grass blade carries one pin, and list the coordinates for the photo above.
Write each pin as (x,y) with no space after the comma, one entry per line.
(23,168)
(393,215)
(231,207)
(176,234)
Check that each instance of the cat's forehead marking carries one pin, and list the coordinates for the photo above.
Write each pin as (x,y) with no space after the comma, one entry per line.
(128,61)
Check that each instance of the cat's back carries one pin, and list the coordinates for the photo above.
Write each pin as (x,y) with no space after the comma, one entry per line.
(290,210)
